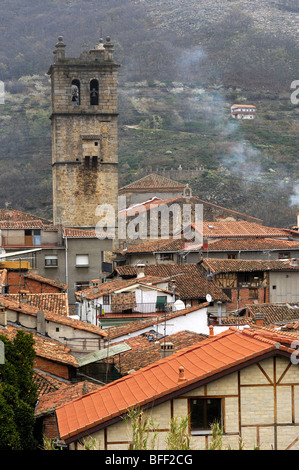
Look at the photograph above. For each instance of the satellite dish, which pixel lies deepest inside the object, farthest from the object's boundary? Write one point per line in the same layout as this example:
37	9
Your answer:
209	298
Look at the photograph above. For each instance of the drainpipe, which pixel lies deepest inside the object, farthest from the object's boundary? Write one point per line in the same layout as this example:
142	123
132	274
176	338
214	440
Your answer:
66	265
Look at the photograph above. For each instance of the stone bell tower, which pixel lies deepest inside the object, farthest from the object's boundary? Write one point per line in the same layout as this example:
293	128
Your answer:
84	134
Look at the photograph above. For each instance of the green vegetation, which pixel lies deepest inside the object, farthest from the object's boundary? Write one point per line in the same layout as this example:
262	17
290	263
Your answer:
179	76
18	394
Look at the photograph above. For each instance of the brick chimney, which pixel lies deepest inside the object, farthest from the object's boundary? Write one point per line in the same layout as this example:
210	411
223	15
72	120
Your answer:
259	319
166	349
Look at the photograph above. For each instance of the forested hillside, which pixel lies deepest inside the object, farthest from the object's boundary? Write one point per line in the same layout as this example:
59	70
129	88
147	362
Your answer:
182	66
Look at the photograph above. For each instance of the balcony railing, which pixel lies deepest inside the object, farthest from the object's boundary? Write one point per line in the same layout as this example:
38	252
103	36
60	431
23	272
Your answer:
140	308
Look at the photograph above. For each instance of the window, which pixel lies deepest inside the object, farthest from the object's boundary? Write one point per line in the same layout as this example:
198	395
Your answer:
94	161
75	90
86	161
106	300
82	261
166	256
253	293
51	261
204	413
231	256
81	285
284	255
36	237
94	92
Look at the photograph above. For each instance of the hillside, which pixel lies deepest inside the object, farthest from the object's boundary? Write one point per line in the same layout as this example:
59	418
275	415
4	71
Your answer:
182	68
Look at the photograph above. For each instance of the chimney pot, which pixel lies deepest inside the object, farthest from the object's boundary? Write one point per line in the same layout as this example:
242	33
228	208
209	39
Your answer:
211	328
181	374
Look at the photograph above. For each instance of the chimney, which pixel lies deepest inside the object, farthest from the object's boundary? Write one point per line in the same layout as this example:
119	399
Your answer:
259	319
3	317
211	328
181	374
293	262
140	271
40	323
166	349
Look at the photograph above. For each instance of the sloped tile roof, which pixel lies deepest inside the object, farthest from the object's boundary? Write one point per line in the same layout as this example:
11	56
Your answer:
143	352
45	280
181	200
11	218
200	363
51	302
189	280
238	229
153	182
241	265
131	327
252	244
12	302
50	401
155	246
274	314
45	348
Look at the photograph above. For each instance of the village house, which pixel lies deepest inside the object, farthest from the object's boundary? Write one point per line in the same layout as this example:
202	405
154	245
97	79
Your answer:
191	284
246	380
124	300
176	251
243	111
66	255
149	187
194	319
80	337
254	281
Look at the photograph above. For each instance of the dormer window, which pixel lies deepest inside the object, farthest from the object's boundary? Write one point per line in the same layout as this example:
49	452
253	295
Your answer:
94	92
75	88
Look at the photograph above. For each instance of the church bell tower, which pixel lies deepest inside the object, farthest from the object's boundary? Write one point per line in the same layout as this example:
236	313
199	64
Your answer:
84	134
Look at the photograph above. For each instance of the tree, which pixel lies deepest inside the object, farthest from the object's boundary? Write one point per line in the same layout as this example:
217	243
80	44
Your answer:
18	394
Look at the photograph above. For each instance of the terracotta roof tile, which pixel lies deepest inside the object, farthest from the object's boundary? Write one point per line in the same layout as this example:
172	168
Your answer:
153	182
46	348
51	302
50	401
241	265
190	282
30	309
238	229
252	244
202	361
143	352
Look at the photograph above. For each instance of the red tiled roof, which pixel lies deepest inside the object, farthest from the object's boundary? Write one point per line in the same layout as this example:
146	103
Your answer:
45	280
45	348
11	218
201	363
189	280
274	313
12	302
252	244
48	402
144	352
155	246
238	229
51	302
153	182
150	205
138	325
243	265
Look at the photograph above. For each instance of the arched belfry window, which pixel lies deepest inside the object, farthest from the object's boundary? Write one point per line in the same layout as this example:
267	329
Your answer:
75	92
94	92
